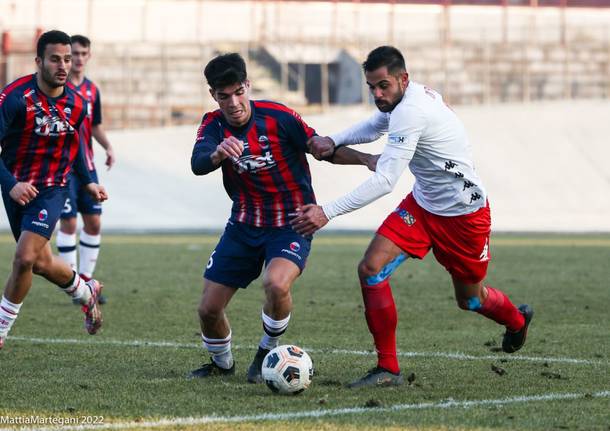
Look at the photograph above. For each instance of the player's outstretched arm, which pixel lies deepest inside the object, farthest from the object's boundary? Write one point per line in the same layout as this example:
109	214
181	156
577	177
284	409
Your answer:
100	136
348	156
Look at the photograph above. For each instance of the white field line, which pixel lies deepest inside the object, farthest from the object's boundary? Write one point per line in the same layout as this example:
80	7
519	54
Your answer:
195	345
316	414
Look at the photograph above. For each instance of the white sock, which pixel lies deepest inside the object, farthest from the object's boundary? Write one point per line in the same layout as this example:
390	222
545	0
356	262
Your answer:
273	331
8	314
66	245
89	249
220	349
78	289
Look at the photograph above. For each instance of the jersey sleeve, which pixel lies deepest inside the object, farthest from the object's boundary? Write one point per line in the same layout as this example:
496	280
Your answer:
299	131
97	109
209	135
9	108
366	131
406	126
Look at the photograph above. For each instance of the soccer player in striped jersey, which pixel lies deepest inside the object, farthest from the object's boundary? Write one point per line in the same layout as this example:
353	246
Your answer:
261	148
447	211
78	200
39	122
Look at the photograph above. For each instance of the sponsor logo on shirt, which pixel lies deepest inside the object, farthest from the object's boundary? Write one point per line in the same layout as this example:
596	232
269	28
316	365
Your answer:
254	164
48	125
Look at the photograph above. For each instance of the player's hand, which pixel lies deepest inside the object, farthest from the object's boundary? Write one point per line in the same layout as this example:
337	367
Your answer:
23	193
97	192
229	148
371	162
309	219
321	147
110	159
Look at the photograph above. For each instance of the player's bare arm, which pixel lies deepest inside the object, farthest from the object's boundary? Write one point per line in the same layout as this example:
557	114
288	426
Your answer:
100	136
229	148
348	156
23	193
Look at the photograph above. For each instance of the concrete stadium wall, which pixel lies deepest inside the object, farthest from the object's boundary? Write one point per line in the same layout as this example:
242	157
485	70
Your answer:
545	166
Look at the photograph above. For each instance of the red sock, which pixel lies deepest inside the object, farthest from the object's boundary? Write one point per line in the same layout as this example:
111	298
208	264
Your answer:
381	317
498	307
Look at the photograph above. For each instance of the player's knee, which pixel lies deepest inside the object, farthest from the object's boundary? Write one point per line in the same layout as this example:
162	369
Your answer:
472	303
93	226
276	287
209	313
68	226
368	268
24	261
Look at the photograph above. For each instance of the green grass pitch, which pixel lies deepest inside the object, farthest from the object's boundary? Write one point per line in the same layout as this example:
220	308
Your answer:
561	379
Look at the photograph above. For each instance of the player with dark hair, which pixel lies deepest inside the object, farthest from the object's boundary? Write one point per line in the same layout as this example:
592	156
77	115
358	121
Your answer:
261	147
79	201
447	211
39	120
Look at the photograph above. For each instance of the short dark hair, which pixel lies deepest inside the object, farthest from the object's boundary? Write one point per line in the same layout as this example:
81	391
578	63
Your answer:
225	70
387	56
50	38
81	40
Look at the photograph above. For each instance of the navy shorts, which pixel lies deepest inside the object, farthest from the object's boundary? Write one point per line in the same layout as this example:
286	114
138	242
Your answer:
78	200
242	250
40	215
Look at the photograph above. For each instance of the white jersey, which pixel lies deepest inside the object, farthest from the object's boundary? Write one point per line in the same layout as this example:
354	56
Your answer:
425	135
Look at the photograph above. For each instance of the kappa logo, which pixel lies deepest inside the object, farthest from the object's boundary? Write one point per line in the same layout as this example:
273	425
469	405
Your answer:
295	246
67	110
263	138
43	215
485	253
406	216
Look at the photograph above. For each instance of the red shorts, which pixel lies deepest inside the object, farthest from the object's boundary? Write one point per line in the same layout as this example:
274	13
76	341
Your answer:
460	243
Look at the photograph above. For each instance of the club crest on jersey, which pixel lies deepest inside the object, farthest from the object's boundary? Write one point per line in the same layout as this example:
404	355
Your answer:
254	164
263	138
295	246
52	126
43	215
405	215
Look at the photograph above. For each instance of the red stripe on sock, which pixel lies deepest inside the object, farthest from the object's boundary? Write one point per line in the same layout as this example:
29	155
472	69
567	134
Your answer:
381	318
9	311
498	308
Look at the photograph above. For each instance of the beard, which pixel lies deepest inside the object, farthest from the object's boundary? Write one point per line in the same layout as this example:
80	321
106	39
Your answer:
51	80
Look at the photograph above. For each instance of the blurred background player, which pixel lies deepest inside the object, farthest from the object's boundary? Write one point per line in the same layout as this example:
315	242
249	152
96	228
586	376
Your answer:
261	148
79	201
447	211
39	119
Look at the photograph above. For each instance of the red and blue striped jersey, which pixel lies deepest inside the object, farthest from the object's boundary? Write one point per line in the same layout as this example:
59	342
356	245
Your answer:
271	178
38	134
91	93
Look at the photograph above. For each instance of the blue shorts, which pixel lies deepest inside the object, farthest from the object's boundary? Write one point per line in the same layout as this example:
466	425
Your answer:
40	215
78	200
238	258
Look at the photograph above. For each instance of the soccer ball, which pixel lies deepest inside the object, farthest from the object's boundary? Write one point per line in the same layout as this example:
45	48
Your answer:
287	370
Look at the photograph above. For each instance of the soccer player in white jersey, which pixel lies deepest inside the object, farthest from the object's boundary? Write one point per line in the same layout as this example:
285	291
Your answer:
447	211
